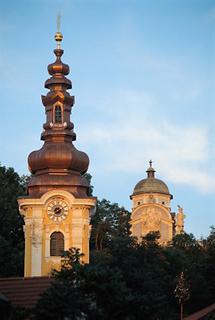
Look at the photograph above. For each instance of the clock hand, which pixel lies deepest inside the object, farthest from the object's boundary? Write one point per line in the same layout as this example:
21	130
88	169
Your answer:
57	210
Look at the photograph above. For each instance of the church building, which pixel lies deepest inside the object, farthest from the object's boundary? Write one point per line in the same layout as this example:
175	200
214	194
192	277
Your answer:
57	209
151	209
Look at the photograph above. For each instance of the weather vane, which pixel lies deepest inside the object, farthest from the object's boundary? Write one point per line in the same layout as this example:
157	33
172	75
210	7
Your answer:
58	34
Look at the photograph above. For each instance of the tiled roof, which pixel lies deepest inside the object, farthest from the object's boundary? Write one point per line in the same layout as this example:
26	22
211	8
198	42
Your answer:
200	314
24	292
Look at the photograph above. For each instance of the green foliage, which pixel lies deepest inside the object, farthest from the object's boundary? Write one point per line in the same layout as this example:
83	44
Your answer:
65	297
130	280
124	280
11	227
208	264
109	222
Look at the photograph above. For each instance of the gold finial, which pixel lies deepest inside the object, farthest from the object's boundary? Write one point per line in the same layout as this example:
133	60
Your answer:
150	163
58	34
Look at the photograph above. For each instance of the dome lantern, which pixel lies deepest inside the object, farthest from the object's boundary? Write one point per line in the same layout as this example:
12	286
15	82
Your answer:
150	171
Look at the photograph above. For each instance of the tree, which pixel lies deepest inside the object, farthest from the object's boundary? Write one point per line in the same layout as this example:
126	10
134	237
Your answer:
125	280
110	221
11	228
190	255
208	263
182	293
184	241
65	299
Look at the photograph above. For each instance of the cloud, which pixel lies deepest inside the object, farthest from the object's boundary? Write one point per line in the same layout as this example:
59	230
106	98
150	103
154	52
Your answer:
211	14
139	132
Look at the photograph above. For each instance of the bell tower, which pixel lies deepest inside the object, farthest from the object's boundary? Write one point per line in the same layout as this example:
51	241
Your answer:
57	209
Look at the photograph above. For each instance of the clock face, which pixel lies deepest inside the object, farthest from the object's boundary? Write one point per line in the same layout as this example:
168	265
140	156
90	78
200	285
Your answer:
57	210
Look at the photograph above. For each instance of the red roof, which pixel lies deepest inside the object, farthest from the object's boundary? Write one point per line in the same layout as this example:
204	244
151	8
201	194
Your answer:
24	292
200	314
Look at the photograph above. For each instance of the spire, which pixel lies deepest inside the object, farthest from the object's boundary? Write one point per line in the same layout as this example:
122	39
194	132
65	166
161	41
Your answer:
58	164
58	34
150	171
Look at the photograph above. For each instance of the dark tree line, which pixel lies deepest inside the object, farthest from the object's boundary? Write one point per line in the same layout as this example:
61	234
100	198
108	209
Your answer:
125	279
11	223
130	280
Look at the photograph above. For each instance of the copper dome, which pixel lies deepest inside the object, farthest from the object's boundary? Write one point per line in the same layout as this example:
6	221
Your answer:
151	184
58	164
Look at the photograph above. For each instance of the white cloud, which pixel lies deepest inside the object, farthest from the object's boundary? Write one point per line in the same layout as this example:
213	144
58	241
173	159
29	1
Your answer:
138	133
211	14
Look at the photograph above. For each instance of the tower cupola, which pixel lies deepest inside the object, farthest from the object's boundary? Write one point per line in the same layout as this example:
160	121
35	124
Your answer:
58	164
151	184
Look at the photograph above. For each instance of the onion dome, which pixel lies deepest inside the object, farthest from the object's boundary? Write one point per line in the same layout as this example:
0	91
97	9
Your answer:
58	70
151	184
58	164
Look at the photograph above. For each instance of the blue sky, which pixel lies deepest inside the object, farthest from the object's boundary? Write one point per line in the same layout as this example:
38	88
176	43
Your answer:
143	80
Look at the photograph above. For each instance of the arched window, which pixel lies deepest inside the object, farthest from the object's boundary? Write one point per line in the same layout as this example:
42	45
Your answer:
56	244
58	114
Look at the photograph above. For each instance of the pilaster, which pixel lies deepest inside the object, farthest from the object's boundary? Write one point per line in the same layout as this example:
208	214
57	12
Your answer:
39	226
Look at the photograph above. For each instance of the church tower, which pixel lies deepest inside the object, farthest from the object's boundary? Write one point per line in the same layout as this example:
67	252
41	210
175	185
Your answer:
151	210
57	209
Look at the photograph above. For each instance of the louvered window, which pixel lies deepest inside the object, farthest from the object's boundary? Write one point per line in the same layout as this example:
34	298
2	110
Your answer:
58	114
56	244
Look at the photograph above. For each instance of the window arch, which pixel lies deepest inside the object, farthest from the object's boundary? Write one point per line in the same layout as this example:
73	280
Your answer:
56	244
58	114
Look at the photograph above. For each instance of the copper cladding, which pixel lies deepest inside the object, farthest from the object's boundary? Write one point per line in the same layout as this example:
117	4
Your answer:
58	164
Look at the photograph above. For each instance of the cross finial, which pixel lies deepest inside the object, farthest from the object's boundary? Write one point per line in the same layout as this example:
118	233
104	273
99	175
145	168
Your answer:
150	171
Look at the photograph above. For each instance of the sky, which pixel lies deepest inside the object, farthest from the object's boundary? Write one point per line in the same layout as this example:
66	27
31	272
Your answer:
143	79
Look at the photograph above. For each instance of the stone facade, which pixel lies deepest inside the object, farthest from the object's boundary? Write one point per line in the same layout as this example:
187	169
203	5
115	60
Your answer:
40	225
151	209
